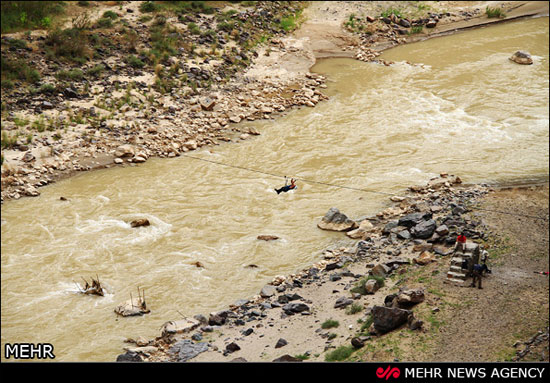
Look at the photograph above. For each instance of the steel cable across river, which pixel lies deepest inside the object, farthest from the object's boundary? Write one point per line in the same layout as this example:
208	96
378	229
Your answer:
466	110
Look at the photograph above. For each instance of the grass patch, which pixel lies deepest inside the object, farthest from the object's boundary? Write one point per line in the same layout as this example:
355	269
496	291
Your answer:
8	141
415	29
354	309
366	324
135	62
17	70
494	13
75	74
19	15
341	353
71	44
391	11
330	323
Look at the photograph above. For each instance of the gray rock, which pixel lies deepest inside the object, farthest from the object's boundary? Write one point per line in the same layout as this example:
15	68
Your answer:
389	226
336	221
442	230
281	343
268	291
129	356
342	302
187	349
294	308
359	341
216	320
404	234
411	220
287	358
404	23
232	347
424	229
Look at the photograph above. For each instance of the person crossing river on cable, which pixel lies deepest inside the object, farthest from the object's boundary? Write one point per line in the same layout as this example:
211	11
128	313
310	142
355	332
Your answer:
287	187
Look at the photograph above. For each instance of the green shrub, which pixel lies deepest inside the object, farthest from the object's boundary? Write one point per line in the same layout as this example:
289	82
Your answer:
135	62
494	12
330	323
46	88
18	70
71	74
19	44
149	6
194	28
17	15
96	70
391	11
288	23
354	309
68	43
416	29
110	15
104	23
341	353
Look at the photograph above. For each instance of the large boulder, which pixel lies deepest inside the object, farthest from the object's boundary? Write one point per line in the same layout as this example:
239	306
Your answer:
522	57
336	221
424	229
386	319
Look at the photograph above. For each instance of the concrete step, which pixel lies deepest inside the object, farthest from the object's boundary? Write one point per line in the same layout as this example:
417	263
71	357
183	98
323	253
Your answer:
456	261
456	282
457	269
453	275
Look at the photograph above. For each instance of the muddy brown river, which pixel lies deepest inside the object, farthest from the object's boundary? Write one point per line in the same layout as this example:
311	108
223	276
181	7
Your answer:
466	110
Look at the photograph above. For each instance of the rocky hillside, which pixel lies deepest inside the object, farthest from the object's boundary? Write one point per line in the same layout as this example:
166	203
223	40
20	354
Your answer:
120	82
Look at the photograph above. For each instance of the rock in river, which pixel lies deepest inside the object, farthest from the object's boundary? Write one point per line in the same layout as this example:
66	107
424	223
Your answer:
336	221
522	57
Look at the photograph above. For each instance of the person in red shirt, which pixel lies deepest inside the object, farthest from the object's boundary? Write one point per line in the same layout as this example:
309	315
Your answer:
287	187
460	242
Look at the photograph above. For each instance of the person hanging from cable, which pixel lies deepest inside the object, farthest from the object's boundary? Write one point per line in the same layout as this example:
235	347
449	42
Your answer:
287	187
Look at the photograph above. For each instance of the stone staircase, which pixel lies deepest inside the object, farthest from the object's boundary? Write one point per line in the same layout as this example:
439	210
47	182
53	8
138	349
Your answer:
457	275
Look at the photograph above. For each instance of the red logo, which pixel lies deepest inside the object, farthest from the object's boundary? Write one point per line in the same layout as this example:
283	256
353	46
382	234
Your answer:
388	372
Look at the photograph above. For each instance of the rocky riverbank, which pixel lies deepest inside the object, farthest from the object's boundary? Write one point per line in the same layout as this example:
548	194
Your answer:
125	82
382	293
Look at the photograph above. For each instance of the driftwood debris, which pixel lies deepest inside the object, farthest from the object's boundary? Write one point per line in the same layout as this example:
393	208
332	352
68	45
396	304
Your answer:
134	306
94	288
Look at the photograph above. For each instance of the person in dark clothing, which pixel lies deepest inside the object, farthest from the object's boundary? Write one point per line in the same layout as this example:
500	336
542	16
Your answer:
287	187
477	274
